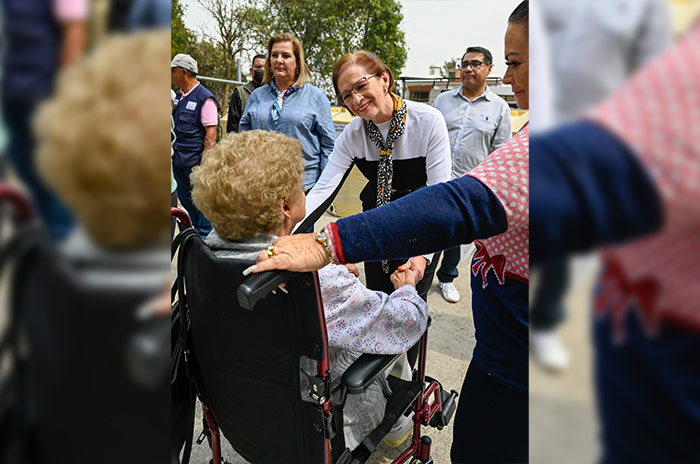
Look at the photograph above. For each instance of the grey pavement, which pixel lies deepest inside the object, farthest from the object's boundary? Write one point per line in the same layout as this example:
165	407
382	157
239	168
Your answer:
563	424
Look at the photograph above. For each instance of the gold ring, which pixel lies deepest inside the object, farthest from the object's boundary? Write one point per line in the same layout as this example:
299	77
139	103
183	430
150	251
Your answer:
270	251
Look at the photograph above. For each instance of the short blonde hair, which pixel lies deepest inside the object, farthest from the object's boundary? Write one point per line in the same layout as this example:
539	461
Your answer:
103	140
241	180
304	74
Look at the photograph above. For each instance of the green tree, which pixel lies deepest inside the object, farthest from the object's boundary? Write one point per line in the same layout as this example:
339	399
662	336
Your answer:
233	18
330	28
180	36
449	69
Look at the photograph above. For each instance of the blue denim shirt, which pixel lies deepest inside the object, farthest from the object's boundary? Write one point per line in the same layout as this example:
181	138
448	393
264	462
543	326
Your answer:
305	116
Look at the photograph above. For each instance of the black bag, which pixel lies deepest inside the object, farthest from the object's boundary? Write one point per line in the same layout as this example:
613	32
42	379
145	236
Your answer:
15	429
183	383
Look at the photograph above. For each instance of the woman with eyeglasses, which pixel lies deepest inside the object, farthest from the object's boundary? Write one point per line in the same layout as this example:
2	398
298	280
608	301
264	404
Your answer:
288	103
489	205
398	145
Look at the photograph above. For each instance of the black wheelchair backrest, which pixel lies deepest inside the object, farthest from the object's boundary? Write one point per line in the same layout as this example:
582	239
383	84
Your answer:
78	383
249	359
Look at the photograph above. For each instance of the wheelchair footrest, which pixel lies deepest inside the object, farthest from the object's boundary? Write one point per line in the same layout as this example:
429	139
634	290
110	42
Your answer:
404	393
442	418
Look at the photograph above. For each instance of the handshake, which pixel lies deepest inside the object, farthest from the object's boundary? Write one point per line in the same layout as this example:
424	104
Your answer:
409	273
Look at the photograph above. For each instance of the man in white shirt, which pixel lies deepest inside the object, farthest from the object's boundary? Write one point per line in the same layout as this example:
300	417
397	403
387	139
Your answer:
478	122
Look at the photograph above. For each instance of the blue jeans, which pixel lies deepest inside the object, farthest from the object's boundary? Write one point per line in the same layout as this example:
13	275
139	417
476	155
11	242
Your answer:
184	192
21	151
448	267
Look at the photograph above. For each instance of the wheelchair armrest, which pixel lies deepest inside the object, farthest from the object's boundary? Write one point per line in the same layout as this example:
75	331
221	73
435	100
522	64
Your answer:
258	286
358	377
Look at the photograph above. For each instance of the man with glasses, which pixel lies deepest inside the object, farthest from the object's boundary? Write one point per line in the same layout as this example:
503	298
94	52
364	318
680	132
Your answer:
478	122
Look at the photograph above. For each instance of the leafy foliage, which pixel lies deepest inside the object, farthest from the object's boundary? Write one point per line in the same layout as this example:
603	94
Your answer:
180	37
449	69
327	29
330	28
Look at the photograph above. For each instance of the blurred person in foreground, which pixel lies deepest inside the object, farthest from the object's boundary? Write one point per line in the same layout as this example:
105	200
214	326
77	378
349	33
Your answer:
41	38
195	113
630	169
627	33
478	122
144	14
251	186
240	95
490	205
117	190
288	103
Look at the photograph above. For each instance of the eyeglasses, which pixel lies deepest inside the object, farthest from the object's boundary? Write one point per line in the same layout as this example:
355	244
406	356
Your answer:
359	87
475	65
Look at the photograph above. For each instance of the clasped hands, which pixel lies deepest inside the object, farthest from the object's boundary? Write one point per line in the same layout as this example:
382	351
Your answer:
302	253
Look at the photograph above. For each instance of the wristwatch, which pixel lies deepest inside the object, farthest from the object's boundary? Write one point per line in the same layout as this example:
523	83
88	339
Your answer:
323	240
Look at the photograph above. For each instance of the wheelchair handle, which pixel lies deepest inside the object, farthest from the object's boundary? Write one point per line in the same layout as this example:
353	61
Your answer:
19	201
181	215
258	286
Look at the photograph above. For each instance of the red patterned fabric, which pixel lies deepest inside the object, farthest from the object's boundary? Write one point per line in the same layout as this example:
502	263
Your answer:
505	172
334	243
657	114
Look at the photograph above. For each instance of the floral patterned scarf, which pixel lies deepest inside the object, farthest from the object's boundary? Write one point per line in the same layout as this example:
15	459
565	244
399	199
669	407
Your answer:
385	170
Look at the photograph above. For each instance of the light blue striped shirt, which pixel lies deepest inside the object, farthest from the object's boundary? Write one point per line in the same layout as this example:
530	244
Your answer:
475	128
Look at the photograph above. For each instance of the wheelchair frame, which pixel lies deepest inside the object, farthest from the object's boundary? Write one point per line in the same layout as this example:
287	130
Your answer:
355	379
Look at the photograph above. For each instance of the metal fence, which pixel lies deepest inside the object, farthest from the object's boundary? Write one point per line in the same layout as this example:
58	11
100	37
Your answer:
218	87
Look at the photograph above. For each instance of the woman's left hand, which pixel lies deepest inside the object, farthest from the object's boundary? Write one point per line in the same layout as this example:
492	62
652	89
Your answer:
300	253
416	264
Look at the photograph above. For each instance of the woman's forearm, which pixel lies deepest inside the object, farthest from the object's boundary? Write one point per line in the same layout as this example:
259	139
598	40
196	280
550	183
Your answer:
428	220
587	190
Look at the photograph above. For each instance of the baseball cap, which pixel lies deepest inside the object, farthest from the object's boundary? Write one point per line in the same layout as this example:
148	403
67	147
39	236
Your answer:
184	61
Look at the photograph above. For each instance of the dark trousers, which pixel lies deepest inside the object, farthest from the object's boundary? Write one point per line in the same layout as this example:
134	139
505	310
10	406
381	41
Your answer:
184	193
21	153
448	267
377	279
491	422
547	308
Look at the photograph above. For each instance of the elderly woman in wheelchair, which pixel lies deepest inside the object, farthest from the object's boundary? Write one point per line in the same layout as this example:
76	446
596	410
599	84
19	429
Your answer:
250	187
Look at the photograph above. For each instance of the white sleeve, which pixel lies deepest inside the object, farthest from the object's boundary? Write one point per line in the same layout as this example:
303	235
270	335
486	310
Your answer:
438	157
363	320
339	162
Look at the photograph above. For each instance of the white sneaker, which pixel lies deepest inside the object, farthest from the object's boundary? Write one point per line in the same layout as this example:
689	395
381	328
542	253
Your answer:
548	350
449	292
400	431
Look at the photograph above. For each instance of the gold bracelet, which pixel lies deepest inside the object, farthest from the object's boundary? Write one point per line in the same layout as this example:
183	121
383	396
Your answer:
323	240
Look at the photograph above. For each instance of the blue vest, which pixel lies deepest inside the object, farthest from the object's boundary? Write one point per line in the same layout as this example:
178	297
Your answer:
30	62
189	131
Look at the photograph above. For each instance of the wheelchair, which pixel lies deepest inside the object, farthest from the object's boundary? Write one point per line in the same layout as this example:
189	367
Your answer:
84	378
244	348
